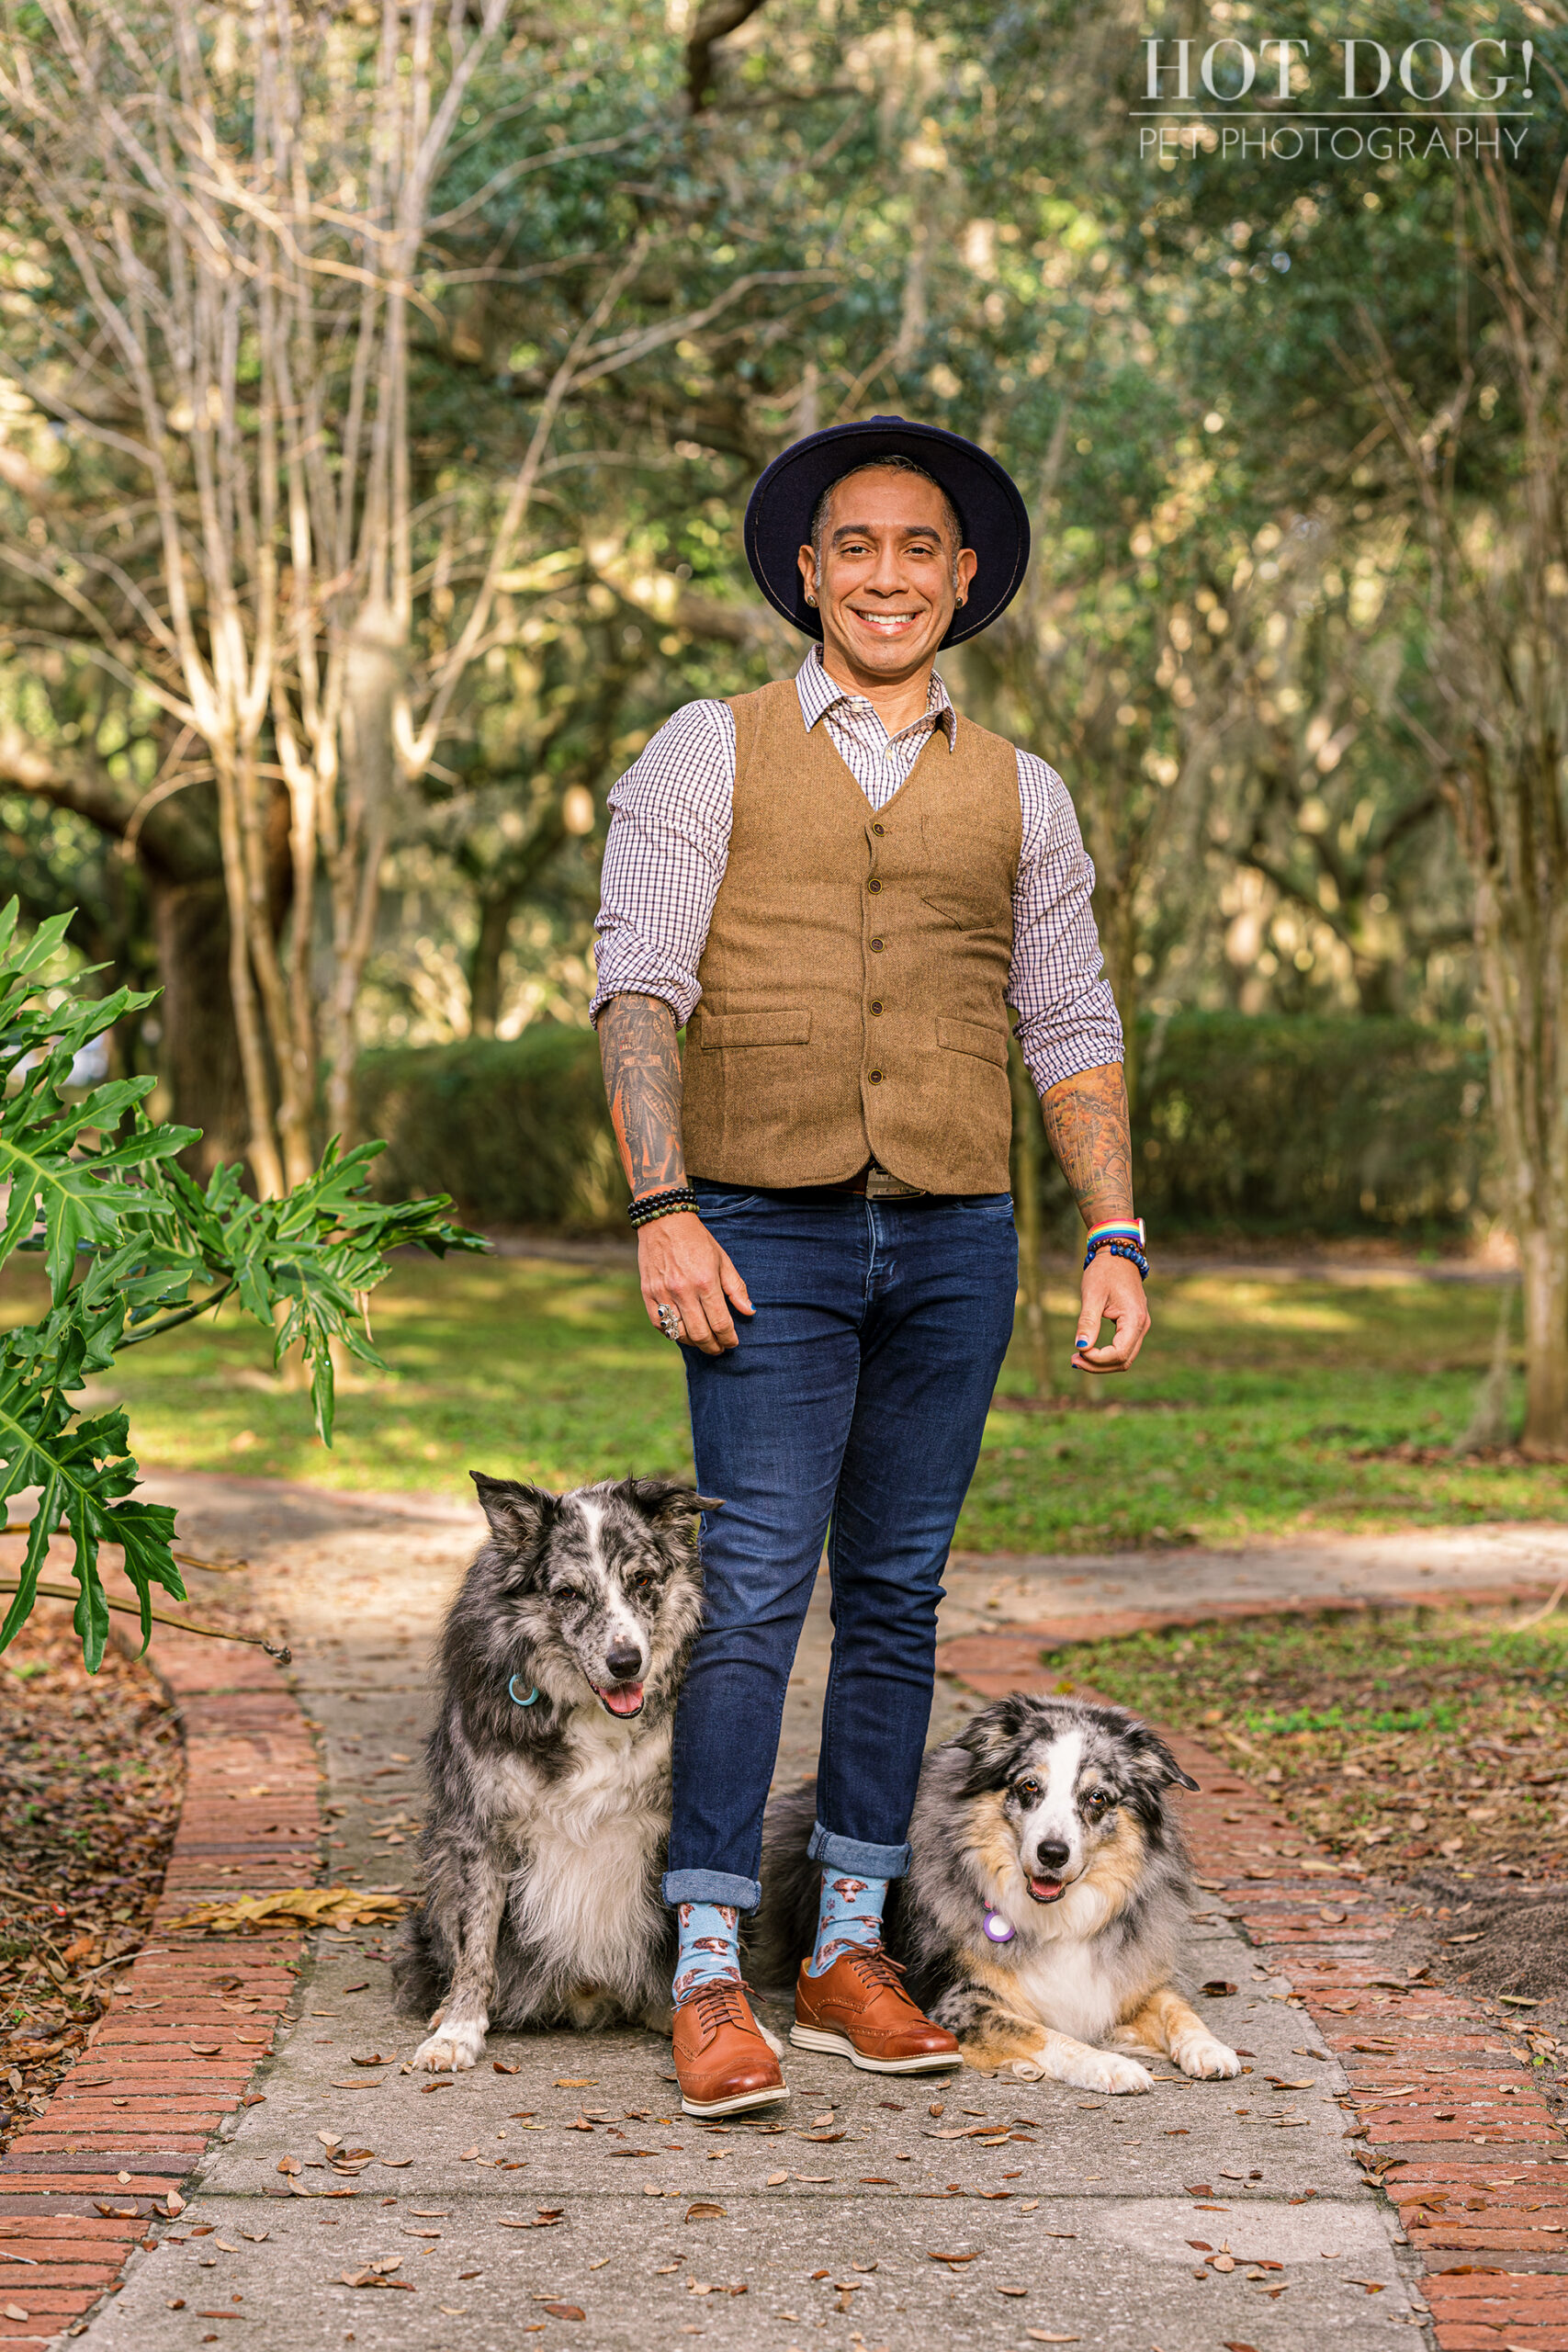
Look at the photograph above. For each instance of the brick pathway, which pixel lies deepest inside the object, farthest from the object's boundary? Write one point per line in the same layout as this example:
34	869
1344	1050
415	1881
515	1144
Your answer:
1447	2118
171	2058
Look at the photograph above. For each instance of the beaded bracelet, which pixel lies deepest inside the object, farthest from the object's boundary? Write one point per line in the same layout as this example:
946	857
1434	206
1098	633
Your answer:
669	1204
1118	1249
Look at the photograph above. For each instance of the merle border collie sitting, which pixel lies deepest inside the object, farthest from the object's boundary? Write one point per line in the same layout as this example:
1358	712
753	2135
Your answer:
548	1768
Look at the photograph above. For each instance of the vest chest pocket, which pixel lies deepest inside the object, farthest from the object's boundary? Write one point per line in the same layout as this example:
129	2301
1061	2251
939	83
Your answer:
779	1025
971	1037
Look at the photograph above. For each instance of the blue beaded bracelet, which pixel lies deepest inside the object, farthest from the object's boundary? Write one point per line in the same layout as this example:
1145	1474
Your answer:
1128	1250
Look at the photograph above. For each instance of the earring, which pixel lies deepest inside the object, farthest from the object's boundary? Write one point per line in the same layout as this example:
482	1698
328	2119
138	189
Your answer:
809	597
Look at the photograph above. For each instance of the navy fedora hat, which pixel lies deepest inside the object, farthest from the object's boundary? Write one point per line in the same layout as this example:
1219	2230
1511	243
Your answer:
994	520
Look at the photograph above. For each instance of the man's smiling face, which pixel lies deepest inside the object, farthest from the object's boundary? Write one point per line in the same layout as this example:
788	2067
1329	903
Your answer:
885	585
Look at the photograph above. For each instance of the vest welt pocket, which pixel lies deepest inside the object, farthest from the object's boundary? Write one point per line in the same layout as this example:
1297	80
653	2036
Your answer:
970	1037
780	1025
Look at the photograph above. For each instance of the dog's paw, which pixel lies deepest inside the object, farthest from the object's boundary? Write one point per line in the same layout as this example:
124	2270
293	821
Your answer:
1026	2070
1202	2055
451	2051
1101	2070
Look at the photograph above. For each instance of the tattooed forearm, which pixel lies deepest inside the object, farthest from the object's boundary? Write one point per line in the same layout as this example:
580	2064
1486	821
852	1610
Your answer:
642	1080
1085	1119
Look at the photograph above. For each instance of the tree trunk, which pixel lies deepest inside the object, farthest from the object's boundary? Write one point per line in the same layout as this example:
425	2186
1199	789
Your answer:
1543	1251
496	910
199	1055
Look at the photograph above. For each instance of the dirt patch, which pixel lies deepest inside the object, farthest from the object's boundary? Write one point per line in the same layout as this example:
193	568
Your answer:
1511	1944
92	1772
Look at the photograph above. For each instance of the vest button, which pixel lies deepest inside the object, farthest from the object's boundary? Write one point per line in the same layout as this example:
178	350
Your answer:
879	829
873	884
874	1076
876	947
876	1005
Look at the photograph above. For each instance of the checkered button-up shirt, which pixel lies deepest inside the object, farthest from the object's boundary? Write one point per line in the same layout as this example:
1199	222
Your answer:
670	843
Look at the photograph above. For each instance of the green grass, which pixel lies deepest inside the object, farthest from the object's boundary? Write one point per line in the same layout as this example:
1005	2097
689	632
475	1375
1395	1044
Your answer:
1415	1736
1248	1414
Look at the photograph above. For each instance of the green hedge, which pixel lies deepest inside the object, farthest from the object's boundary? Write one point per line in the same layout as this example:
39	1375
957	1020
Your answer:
1246	1125
515	1129
1322	1125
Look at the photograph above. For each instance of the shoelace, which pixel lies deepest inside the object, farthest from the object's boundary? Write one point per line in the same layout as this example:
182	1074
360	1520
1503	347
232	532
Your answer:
875	1966
721	2003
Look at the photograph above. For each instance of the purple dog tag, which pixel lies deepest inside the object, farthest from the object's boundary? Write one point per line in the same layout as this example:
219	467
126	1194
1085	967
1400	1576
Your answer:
999	1930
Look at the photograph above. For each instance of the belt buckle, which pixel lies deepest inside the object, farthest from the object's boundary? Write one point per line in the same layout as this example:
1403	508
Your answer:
881	1186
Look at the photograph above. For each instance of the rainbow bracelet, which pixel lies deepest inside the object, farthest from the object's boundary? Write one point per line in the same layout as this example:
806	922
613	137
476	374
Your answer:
1122	1239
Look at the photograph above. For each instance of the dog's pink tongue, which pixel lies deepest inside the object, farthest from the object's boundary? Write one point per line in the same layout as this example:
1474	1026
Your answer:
624	1701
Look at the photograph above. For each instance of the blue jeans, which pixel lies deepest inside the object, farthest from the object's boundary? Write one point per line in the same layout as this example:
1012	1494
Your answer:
856	1400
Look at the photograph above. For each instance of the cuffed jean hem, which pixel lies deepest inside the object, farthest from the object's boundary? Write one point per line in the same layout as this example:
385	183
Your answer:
850	1854
712	1886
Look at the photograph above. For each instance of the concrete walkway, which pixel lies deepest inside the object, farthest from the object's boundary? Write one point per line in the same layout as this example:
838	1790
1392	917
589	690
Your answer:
859	2219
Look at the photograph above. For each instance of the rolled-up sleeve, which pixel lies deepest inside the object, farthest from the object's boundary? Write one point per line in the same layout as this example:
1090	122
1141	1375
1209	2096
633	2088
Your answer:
1067	1018
665	858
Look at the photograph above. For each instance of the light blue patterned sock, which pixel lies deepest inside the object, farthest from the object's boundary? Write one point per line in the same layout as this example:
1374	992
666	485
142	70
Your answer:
709	1947
850	1916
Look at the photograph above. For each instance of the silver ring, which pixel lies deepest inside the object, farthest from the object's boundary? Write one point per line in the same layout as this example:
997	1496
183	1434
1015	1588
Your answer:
670	1322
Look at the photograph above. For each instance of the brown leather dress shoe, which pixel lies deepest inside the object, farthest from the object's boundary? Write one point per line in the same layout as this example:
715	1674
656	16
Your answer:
722	2063
860	2010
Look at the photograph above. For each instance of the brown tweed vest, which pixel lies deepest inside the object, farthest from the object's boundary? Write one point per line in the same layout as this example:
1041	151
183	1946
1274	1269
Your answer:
854	974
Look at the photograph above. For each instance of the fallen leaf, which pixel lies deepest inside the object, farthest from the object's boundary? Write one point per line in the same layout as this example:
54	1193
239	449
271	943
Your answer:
576	2082
821	2123
468	2153
1217	1988
565	2311
777	2179
311	1906
1041	2335
701	2212
935	2108
952	2257
425	2088
205	2049
14	2310
1012	2291
375	2059
394	2163
500	2066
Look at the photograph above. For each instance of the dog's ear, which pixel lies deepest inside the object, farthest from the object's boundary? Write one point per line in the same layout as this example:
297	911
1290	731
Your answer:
517	1514
991	1740
667	1501
1153	1750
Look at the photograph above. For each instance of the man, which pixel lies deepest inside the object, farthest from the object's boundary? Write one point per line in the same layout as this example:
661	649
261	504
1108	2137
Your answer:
839	885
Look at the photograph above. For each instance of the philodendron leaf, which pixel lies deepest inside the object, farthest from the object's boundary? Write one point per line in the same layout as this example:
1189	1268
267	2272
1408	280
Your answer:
134	1249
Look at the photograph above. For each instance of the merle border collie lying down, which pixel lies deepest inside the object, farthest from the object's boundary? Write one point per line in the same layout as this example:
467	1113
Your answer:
1044	1908
548	1768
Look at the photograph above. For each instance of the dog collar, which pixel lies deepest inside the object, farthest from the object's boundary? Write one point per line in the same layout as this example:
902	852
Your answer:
998	1929
512	1694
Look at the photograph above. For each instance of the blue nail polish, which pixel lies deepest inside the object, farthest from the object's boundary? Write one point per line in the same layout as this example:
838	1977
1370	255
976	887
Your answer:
1079	1343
